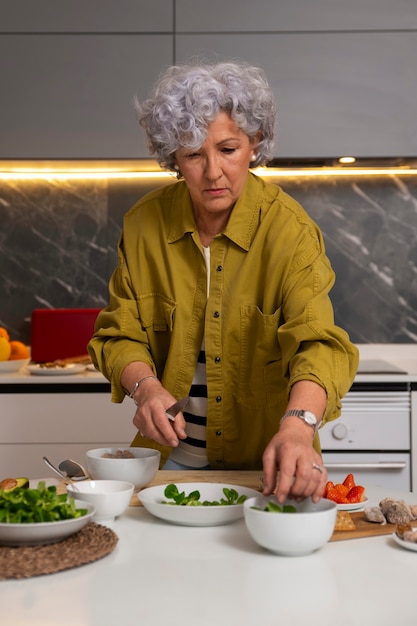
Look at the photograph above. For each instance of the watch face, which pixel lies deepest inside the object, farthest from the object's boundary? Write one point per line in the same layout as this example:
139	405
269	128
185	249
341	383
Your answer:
310	418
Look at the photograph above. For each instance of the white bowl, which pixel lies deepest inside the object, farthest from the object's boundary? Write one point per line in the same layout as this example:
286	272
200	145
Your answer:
12	366
290	534
110	498
42	533
152	499
139	471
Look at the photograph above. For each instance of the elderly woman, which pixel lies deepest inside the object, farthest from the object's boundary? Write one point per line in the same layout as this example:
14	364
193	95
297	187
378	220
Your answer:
222	294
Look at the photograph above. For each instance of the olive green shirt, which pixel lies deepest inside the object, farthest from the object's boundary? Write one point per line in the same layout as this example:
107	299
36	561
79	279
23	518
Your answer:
268	321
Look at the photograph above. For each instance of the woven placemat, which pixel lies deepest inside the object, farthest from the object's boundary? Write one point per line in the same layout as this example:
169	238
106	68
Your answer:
89	544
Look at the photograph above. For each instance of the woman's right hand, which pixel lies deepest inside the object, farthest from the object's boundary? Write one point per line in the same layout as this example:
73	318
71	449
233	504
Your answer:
152	400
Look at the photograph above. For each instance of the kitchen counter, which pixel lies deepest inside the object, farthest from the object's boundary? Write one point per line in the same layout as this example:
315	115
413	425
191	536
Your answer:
402	358
63	416
24	377
184	576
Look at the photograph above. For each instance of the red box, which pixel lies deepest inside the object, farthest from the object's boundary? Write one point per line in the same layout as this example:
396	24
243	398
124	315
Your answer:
61	333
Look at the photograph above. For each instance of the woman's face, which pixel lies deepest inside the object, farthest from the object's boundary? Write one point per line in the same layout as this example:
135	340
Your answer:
215	174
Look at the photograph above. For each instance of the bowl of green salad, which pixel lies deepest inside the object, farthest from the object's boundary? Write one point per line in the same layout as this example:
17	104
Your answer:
39	515
292	528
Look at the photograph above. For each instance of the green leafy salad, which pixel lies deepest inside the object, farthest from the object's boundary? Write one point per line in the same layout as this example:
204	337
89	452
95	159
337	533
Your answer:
273	507
172	492
43	504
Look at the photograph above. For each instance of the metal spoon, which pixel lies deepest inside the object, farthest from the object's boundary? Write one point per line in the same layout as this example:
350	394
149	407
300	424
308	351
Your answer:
57	471
74	470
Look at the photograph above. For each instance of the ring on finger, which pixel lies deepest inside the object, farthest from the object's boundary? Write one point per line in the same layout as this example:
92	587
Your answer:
318	467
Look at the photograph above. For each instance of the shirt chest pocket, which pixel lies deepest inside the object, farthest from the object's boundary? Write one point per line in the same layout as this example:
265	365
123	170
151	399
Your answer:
260	356
156	313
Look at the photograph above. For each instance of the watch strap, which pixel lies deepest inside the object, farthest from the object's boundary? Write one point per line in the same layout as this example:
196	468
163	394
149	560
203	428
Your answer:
302	414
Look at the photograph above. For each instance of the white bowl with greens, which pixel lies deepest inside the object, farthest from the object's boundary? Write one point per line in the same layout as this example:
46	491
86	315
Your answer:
32	516
196	504
291	529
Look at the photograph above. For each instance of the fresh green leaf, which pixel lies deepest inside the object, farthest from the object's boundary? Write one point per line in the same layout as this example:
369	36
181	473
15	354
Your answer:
193	499
274	507
42	504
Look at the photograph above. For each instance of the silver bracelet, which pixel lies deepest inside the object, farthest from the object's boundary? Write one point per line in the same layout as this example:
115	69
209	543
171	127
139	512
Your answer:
136	386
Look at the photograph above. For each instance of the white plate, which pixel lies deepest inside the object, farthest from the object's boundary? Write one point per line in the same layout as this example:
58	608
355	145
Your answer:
12	366
44	532
408	545
352	506
70	368
152	497
91	367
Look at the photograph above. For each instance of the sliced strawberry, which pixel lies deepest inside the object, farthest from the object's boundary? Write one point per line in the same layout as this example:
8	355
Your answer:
356	494
335	495
349	481
342	489
328	486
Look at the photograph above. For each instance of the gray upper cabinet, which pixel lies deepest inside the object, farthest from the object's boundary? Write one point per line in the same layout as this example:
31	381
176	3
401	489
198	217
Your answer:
344	73
85	16
216	16
69	72
337	94
69	97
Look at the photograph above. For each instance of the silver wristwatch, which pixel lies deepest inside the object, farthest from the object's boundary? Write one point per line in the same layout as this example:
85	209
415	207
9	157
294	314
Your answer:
307	416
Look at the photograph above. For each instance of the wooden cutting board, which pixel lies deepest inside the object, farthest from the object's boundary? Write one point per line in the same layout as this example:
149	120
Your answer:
364	528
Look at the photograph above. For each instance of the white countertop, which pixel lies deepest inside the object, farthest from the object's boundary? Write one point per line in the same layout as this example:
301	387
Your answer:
403	356
23	376
181	576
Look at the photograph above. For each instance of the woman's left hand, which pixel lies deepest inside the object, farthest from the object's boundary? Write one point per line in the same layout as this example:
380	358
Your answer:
301	470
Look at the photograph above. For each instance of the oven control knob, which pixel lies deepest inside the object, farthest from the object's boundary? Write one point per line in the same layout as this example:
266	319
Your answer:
340	431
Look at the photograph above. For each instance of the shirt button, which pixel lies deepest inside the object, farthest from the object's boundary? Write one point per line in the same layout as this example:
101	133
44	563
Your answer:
218	433
217	359
219	462
218	399
216	314
219	268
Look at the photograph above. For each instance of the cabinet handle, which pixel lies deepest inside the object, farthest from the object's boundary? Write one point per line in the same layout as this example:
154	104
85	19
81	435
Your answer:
369	466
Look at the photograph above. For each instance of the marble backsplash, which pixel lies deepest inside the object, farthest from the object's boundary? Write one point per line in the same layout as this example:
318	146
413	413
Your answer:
58	244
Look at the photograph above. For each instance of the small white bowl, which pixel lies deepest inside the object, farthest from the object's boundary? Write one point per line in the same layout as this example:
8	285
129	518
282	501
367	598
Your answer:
12	366
110	498
290	534
139	470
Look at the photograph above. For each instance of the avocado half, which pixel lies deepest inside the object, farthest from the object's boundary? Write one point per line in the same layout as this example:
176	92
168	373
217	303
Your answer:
9	484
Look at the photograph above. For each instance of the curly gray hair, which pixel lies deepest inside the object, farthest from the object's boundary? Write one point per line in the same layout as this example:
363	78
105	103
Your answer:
186	98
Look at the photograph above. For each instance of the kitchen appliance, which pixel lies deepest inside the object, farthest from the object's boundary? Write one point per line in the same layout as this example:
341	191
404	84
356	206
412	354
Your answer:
372	437
61	333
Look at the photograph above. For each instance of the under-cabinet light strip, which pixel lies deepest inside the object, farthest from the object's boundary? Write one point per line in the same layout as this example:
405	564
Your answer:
42	174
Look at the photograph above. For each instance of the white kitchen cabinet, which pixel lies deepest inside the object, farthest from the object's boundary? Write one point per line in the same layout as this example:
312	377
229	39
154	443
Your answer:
58	425
337	93
72	96
306	15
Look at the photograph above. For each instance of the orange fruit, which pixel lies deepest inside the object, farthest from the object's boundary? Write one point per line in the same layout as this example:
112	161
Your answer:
4	333
5	349
18	351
